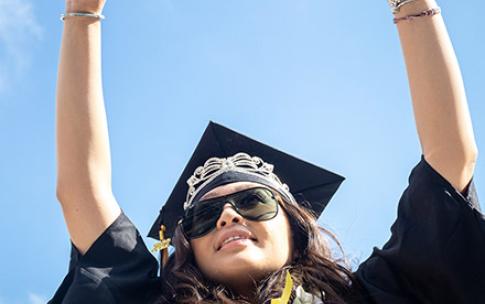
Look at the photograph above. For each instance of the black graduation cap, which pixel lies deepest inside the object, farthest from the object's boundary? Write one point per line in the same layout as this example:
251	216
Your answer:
307	182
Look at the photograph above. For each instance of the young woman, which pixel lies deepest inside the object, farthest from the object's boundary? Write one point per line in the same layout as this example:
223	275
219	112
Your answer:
242	217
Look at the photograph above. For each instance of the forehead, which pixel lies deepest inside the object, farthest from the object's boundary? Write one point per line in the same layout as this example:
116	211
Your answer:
230	188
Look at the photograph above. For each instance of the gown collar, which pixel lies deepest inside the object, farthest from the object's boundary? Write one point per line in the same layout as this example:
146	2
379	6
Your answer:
301	296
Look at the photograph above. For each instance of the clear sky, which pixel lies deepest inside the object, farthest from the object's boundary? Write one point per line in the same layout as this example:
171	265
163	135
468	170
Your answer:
323	80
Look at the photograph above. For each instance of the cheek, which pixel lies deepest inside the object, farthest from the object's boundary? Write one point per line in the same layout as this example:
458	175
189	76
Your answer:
280	238
202	252
275	248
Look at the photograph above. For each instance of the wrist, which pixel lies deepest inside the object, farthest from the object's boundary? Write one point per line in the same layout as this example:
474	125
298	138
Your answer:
71	11
74	7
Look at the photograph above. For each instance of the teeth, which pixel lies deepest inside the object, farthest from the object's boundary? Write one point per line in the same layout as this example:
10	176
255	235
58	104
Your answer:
232	238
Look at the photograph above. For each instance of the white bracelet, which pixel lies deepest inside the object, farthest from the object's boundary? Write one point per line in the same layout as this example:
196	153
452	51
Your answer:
91	15
396	4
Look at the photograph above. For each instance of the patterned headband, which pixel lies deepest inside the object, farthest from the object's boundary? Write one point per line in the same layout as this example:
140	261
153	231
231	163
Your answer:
240	162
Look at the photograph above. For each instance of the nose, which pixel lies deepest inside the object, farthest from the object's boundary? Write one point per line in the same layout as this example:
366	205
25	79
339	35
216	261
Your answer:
228	216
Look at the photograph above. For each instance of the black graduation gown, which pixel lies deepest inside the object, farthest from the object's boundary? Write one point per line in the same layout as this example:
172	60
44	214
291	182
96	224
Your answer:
117	268
436	254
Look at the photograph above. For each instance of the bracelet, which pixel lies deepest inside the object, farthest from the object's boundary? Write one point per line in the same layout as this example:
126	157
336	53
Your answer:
429	12
90	15
397	4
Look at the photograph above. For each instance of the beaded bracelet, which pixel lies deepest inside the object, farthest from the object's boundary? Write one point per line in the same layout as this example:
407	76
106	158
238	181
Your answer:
80	14
429	12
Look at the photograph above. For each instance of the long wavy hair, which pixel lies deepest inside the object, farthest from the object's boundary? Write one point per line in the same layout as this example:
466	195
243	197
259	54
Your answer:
313	267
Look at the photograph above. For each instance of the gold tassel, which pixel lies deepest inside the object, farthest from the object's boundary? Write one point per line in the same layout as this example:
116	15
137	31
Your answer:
285	295
162	245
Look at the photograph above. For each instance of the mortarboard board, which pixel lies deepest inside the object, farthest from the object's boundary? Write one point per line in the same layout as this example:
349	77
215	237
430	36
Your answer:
310	185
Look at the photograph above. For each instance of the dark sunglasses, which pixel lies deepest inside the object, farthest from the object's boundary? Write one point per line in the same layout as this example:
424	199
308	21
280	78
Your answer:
255	204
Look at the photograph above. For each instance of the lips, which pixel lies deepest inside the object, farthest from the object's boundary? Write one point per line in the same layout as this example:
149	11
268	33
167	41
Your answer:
233	234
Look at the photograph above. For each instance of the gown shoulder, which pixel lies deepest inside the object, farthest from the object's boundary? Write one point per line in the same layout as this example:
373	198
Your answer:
436	252
117	268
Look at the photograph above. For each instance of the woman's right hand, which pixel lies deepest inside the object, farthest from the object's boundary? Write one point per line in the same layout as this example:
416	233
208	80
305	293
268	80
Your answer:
85	6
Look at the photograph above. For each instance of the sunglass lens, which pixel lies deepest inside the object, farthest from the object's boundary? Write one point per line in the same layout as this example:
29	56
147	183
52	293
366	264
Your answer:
258	204
200	220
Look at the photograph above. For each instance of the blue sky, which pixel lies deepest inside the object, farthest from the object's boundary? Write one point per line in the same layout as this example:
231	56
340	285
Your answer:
323	80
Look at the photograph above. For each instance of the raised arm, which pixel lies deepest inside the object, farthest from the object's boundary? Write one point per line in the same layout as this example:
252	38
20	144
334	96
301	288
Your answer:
439	101
83	156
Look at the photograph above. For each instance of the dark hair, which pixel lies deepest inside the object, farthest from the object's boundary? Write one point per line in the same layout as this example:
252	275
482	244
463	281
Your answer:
313	267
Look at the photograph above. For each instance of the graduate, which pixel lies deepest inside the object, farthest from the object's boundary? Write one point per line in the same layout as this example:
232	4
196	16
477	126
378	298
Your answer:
242	218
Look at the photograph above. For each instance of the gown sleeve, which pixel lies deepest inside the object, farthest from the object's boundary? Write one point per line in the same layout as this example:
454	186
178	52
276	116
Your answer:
117	268
436	252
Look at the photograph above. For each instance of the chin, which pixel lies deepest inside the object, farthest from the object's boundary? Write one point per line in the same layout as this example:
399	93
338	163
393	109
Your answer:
254	265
